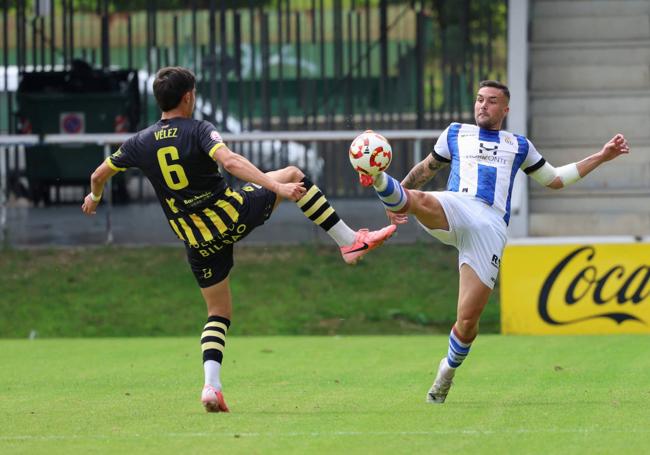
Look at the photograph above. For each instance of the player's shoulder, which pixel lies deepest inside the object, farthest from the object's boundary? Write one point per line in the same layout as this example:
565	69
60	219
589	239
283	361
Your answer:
204	126
139	137
148	131
459	126
519	137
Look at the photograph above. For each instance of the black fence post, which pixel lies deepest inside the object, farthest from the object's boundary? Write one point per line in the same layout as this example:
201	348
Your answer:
238	76
52	35
419	70
175	40
5	62
129	41
253	62
71	25
42	28
266	105
383	26
195	67
106	48
212	61
223	65
64	32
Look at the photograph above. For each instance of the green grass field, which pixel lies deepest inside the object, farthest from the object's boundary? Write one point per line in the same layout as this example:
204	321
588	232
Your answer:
361	394
298	290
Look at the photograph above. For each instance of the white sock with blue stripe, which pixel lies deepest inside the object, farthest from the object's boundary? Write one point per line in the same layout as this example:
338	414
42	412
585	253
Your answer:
391	193
458	349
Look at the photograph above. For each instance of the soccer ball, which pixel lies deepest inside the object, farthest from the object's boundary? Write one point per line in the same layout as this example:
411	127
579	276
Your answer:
370	153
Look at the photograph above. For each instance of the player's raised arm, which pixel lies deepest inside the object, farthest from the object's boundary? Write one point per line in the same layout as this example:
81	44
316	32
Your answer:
422	172
243	169
564	176
97	181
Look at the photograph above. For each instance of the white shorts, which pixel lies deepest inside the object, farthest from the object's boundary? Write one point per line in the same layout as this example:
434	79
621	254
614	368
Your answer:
476	230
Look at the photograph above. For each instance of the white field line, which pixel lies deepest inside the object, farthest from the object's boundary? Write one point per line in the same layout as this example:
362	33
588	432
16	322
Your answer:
327	434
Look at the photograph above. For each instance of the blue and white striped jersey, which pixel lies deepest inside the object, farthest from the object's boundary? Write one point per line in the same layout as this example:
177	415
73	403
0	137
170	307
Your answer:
484	162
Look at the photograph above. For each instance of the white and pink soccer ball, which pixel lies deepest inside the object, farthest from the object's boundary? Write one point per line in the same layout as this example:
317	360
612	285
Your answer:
370	153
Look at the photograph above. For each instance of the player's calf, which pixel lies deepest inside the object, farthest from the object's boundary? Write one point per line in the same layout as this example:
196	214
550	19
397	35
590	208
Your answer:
391	193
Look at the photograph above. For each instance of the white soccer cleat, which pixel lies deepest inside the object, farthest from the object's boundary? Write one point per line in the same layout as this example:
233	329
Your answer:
440	388
213	400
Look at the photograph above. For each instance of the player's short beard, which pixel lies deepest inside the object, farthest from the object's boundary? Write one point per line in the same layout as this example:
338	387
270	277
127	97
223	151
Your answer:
486	124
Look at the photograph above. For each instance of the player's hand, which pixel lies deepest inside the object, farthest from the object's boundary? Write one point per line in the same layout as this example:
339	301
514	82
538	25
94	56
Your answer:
89	207
615	147
292	191
397	218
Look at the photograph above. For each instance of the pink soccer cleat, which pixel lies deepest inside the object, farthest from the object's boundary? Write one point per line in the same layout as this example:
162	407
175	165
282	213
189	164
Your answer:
366	241
213	400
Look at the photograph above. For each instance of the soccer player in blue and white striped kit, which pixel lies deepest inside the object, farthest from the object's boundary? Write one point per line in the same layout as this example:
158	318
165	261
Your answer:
473	213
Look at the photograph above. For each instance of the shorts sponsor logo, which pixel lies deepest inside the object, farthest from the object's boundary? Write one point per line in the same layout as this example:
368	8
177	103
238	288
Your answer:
233	235
207	273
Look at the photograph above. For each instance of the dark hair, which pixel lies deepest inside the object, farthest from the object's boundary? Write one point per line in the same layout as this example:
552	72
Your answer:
170	85
495	84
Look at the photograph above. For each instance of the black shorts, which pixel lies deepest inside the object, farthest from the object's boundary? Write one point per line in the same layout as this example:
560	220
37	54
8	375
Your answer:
211	261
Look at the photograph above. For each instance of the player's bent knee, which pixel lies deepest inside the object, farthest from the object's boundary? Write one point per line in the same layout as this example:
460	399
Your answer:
295	173
428	209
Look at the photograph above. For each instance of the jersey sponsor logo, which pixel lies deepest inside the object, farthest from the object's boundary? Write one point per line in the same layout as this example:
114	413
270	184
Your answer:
489	158
484	148
197	199
166	133
215	136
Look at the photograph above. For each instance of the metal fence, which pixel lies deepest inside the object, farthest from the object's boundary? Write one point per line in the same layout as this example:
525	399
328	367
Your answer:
321	154
302	65
287	65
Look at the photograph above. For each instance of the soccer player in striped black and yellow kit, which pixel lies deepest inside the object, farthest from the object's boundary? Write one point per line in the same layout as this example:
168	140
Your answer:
179	156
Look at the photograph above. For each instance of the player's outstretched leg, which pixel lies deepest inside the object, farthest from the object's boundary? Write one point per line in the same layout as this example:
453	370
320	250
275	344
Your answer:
458	350
353	245
391	193
213	341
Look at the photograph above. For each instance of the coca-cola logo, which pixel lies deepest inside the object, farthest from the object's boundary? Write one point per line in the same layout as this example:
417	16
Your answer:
600	288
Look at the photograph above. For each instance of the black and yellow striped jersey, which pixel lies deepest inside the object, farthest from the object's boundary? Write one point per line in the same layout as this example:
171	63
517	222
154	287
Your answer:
176	156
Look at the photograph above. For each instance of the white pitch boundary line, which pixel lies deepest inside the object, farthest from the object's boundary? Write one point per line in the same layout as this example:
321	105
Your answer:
331	433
